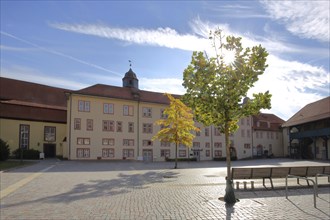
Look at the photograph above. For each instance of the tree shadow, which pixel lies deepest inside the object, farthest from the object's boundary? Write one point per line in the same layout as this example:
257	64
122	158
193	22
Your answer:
124	183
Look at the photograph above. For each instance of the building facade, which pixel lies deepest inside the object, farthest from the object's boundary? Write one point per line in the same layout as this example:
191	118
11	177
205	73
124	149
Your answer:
104	122
307	133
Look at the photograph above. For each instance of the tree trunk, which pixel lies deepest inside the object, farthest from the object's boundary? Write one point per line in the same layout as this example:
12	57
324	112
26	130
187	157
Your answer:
230	195
176	156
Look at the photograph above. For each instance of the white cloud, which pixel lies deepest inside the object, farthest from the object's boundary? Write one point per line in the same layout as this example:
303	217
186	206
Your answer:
292	83
32	75
307	19
169	85
164	37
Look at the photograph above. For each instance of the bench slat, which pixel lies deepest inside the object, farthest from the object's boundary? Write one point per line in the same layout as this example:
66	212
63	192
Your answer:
241	173
298	171
280	172
312	171
258	173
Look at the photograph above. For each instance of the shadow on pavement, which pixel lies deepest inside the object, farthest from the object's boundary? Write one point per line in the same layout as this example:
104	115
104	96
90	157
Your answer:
124	183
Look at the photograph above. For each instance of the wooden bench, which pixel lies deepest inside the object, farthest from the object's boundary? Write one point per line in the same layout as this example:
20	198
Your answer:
279	172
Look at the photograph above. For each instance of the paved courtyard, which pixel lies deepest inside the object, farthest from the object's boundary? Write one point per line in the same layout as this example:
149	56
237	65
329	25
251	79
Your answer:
53	189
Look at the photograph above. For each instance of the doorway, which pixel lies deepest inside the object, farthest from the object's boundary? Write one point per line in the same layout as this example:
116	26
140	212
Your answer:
147	155
50	150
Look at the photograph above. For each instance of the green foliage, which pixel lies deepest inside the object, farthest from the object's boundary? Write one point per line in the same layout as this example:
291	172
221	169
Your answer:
30	154
4	150
215	88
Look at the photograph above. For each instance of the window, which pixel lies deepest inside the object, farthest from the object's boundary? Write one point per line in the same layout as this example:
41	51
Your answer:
108	141
270	151
248	133
242	121
77	124
257	134
261	134
243	133
271	135
128	153
130	127
207	132
207	153
119	126
89	124
147	128
247	121
83	106
108	152
276	134
247	146
217	132
196	145
207	145
108	125
198	133
50	134
268	136
83	141
147	143
147	112
108	108
128	142
128	110
24	136
165	144
162	114
83	153
217	153
182	153
165	153
217	144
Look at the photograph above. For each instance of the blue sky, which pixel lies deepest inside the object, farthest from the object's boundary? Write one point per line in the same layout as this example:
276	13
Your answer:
76	44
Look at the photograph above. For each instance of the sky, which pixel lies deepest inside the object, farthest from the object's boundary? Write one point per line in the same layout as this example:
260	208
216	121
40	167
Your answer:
76	44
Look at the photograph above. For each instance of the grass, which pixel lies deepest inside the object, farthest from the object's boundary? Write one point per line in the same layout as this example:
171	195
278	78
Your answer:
10	164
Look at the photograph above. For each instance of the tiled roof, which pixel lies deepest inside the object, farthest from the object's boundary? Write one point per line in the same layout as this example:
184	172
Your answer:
124	93
312	112
31	101
266	121
11	89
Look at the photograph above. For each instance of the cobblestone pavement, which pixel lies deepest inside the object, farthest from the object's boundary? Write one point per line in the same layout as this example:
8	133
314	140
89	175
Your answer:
135	190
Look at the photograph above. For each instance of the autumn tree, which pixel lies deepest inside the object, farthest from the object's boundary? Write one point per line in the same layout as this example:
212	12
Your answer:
177	126
216	89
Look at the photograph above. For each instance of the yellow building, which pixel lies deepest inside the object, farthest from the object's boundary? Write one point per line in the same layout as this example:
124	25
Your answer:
32	116
115	123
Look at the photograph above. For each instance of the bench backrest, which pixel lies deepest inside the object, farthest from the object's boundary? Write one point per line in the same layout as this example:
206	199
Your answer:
280	172
258	173
241	173
277	172
312	171
298	171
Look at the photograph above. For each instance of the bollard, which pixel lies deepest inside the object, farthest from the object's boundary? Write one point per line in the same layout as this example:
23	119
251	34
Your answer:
244	184
237	185
252	184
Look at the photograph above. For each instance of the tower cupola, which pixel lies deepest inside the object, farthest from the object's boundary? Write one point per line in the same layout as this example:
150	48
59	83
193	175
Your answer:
130	80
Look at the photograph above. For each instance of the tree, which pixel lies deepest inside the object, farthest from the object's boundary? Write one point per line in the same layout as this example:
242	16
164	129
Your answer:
216	90
4	150
177	126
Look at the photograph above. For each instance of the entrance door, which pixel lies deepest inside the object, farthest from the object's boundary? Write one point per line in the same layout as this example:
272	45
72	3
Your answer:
147	155
50	150
197	155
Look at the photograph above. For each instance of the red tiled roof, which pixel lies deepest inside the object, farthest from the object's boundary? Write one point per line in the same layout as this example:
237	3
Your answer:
267	122
312	112
31	101
11	89
124	93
